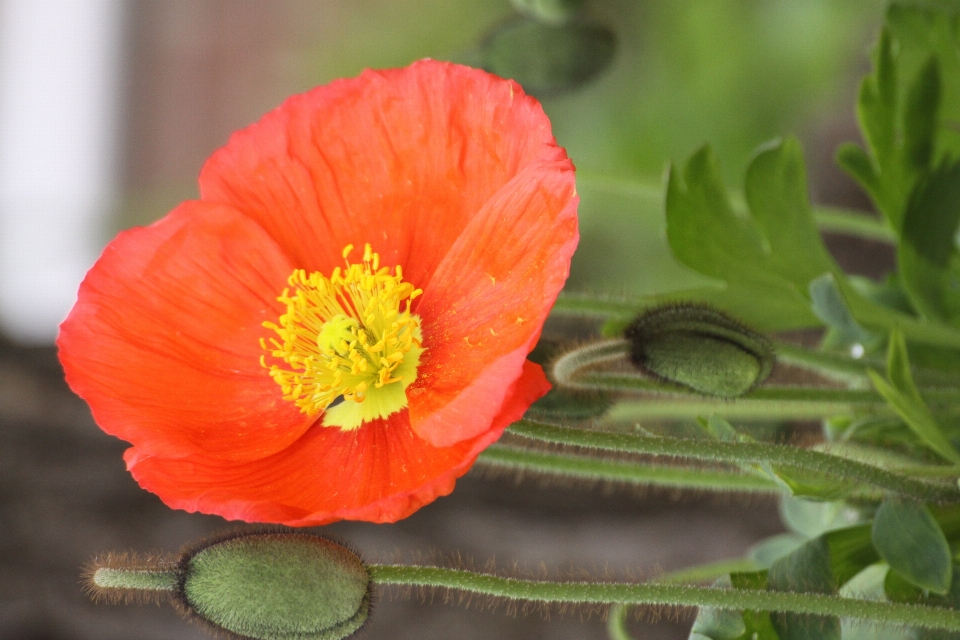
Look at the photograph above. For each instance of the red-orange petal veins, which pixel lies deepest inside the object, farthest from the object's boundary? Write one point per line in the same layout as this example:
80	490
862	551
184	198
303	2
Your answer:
453	177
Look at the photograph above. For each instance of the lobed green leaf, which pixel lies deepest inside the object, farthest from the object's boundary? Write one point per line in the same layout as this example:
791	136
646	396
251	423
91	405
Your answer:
907	536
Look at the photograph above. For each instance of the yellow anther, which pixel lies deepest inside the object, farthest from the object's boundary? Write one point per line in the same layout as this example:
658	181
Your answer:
344	337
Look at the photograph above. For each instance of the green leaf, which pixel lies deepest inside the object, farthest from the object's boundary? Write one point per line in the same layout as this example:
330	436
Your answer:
899	124
811	484
769	255
920	116
905	398
830	306
908	106
930	32
772	253
811	518
898	589
718	624
855	161
851	551
883	175
928	258
906	535
875	316
769	550
757	623
808	570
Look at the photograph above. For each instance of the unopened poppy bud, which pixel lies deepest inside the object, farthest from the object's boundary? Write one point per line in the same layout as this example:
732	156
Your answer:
267	586
700	348
548	59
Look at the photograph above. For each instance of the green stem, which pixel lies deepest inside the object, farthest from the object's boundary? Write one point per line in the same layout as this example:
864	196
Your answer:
684	409
844	398
591	468
664	594
831	219
853	223
617	623
135	579
601	306
829	365
740	453
567	366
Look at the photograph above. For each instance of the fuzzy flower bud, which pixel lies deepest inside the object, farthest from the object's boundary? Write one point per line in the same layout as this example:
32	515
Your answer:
700	348
267	586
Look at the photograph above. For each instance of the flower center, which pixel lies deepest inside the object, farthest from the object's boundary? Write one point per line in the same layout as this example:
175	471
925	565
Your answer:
346	337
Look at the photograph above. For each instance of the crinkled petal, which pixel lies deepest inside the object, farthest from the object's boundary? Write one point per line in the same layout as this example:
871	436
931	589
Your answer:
402	159
381	473
164	341
484	306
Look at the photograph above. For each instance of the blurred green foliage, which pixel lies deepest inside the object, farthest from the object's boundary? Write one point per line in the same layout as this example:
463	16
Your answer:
733	73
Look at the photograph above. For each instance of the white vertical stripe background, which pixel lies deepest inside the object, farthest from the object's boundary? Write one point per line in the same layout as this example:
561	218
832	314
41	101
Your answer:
59	97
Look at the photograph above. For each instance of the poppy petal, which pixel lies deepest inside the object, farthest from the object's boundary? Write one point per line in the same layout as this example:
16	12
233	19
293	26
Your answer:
483	309
380	473
163	342
402	159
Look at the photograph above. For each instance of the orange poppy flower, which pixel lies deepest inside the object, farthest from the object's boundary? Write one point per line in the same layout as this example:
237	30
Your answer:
340	324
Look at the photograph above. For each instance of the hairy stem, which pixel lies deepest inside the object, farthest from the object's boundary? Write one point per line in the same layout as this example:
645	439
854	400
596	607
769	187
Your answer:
566	368
664	594
591	468
741	453
135	579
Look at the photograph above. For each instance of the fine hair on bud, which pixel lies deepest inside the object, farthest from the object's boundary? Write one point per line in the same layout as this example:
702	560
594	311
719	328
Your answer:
275	585
272	584
700	348
130	577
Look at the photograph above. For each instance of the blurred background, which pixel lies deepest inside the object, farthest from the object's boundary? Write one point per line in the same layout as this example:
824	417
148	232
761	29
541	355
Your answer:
108	110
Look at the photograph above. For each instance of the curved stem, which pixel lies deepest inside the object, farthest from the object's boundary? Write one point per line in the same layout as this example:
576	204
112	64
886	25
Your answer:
741	453
617	623
567	366
780	402
591	468
664	594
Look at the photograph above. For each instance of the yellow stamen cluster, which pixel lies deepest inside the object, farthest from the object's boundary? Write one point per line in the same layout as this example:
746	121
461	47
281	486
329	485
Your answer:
346	337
